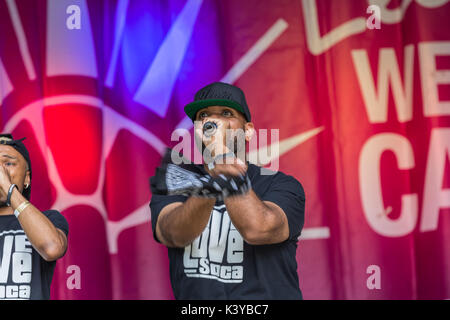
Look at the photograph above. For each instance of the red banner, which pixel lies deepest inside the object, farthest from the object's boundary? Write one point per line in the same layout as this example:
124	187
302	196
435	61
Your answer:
359	90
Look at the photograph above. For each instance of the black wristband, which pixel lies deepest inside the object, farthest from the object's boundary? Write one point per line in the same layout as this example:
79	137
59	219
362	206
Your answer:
8	198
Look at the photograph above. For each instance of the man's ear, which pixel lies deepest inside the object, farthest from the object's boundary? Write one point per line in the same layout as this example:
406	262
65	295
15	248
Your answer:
249	131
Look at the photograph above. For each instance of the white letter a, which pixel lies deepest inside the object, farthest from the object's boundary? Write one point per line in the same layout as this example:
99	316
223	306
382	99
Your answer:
374	281
74	20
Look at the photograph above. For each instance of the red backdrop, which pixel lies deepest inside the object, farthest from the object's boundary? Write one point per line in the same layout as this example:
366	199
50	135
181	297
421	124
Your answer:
360	96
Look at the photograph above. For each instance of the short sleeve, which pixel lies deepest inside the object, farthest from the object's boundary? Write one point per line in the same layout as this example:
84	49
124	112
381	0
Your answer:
157	203
58	220
288	194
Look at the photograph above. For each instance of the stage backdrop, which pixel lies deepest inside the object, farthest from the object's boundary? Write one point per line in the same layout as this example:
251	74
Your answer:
359	90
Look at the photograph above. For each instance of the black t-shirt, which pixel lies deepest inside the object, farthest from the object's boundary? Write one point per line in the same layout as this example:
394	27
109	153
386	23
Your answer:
219	264
24	274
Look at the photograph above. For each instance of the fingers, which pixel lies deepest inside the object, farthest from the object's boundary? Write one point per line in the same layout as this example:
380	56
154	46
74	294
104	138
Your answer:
4	173
5	182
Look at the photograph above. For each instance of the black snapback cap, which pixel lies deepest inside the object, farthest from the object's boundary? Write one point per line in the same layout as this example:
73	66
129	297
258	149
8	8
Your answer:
218	94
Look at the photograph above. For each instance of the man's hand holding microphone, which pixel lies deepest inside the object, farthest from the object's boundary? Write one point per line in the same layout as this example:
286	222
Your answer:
226	174
218	140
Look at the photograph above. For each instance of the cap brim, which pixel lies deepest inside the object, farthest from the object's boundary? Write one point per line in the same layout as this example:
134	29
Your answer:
192	108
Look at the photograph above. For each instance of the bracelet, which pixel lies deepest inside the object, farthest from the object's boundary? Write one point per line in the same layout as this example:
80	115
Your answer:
8	198
21	207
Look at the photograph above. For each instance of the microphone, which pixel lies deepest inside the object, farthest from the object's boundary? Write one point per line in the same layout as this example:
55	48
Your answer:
209	128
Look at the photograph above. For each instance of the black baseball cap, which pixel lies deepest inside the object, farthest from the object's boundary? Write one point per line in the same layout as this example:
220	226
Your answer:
218	94
20	147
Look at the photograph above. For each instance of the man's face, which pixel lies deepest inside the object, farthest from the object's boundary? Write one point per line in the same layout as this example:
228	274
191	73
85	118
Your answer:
233	127
16	166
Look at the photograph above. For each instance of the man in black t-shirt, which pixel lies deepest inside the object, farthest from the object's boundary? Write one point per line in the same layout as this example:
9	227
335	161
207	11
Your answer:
30	240
231	227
